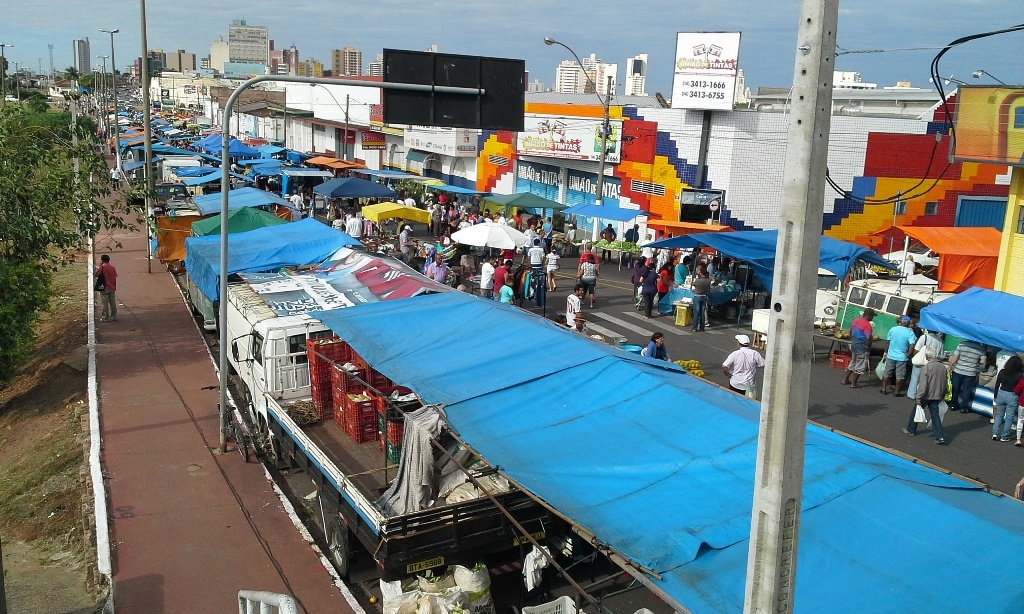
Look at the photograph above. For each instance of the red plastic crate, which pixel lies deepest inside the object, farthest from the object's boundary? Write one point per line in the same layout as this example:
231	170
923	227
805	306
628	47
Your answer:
386	392
358	361
343	383
395	431
330	350
840	360
360	412
323	399
379	380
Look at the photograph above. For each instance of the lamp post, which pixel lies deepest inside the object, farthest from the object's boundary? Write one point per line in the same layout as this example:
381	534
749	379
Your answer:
344	142
103	99
3	74
113	74
17	78
605	125
981	71
147	144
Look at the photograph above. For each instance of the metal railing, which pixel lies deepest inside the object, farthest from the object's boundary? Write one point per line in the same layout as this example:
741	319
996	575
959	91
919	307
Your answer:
265	602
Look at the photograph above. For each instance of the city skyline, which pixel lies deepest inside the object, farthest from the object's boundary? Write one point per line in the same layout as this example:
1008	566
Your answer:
766	55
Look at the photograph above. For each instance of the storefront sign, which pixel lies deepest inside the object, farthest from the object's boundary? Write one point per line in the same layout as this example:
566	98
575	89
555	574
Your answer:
349	278
376	115
575	138
374	140
539	179
581	187
700	205
705	70
447	141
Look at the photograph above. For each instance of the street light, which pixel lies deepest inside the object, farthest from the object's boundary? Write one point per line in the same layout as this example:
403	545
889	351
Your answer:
948	80
103	99
605	129
3	73
981	71
344	142
113	74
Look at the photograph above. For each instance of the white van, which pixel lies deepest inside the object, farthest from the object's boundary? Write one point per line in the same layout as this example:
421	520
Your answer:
830	292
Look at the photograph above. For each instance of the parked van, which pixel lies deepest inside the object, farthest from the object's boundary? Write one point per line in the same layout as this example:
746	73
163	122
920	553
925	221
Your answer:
830	292
891	300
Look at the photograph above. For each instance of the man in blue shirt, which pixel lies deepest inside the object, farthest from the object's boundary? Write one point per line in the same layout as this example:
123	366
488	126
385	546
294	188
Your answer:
901	348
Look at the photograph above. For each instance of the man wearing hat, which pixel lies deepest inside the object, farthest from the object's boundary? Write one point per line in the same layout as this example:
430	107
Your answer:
741	366
579	325
901	347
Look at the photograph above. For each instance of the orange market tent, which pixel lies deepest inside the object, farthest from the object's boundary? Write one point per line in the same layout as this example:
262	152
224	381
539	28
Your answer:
968	255
322	160
679	229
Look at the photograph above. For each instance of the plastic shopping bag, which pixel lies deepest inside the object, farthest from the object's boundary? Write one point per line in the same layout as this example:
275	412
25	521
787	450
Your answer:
920	416
880	369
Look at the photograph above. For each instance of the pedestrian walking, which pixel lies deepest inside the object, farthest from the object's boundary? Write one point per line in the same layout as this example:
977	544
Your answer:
918	361
701	288
741	367
1007	398
115	178
487	277
861	335
106	285
608	235
648	290
931	389
587	275
901	347
551	267
966	362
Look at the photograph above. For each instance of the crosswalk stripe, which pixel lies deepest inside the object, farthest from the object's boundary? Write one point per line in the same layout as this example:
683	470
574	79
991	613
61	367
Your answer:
607	332
669	328
624	324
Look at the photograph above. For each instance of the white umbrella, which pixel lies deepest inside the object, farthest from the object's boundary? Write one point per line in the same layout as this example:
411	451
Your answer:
491	235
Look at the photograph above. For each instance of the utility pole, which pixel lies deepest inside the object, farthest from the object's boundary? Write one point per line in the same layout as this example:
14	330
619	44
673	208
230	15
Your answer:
3	74
50	47
782	435
344	144
147	135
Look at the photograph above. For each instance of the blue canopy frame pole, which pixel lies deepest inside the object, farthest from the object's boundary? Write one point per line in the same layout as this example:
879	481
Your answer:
225	185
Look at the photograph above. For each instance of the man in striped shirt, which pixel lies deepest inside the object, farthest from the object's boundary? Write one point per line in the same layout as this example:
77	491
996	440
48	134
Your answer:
967	361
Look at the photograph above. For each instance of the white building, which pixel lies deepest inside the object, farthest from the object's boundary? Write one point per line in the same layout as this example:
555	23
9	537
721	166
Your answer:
219	55
636	75
567	77
572	78
376	67
83	62
250	44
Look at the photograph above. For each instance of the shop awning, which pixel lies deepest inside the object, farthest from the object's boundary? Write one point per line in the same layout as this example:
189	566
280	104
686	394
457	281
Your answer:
524	200
344	165
386	173
131	166
757	248
415	155
353	187
687	228
242	197
605	212
980	315
386	211
322	160
968	255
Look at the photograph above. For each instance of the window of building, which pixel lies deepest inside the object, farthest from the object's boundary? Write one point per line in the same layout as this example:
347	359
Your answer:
1020	221
901	207
931	208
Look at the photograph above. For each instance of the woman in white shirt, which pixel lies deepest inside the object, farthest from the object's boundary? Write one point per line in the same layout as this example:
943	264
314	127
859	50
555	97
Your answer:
551	265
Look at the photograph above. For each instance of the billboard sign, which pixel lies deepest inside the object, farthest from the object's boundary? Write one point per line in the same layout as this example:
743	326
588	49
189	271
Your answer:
705	70
571	138
700	205
989	125
372	140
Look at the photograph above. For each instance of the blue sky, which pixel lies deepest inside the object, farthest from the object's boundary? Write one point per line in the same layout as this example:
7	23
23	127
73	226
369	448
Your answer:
612	30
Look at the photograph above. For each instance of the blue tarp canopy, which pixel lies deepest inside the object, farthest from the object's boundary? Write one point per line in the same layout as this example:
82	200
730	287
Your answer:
236	148
604	212
131	166
304	172
981	315
214	176
453	189
194	171
757	247
242	197
386	173
178	151
269	150
265	249
661	465
261	162
353	187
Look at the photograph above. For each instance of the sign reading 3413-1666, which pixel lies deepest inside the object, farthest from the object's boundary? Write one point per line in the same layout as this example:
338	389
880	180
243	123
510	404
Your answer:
705	70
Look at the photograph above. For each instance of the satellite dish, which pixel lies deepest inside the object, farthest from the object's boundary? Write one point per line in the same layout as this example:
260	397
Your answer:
661	100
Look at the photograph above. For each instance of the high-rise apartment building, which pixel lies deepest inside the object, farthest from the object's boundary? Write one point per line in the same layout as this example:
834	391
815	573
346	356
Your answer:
568	76
347	62
290	59
247	43
219	55
636	75
376	67
573	78
83	57
180	60
311	68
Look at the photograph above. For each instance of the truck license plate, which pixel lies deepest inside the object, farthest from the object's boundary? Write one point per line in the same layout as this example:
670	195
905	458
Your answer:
424	565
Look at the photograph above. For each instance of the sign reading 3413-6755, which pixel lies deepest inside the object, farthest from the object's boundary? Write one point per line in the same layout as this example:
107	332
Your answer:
705	70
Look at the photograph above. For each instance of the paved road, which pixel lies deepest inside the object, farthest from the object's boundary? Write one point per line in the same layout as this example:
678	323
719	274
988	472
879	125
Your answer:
862	412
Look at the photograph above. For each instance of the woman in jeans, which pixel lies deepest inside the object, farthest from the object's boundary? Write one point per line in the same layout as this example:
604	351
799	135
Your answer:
1004	405
649	288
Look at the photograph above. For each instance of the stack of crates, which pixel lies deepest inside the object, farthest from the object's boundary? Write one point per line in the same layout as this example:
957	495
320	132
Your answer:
356	415
322	355
390	424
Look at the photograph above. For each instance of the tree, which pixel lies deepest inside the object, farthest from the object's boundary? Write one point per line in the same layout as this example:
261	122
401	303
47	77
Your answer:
48	210
71	73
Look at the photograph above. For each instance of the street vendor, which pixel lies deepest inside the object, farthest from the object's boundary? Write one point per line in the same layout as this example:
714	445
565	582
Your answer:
608	235
438	270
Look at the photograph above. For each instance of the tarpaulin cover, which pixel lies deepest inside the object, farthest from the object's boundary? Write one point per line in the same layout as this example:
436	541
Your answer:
214	177
353	187
171	232
131	166
261	162
986	316
660	465
242	197
194	171
239	220
524	200
387	211
687	228
236	148
269	150
264	249
968	255
757	247
452	189
304	172
604	212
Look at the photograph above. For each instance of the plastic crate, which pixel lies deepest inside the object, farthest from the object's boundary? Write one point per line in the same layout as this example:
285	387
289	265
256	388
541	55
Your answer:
386	391
395	431
360	412
329	350
562	605
362	433
323	398
343	383
394	451
378	380
840	360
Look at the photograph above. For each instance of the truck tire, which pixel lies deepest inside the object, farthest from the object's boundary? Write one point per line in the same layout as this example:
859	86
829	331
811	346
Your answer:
337	545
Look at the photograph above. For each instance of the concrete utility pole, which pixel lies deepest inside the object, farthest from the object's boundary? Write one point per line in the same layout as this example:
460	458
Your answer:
147	146
778	482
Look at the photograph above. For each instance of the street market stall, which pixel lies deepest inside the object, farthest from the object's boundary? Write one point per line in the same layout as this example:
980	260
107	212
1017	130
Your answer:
968	256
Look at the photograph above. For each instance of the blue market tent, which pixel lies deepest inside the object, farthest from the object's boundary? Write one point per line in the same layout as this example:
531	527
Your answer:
605	212
207	140
353	187
453	189
213	177
980	315
131	166
261	162
264	249
169	150
236	148
270	150
242	197
660	465
194	171
386	173
757	247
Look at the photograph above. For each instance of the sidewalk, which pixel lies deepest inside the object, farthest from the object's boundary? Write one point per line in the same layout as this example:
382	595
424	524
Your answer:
189	529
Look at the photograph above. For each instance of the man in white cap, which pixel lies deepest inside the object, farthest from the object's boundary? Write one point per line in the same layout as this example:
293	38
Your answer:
741	366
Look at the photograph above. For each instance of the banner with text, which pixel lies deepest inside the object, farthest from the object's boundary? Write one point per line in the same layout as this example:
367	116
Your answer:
374	141
705	70
574	138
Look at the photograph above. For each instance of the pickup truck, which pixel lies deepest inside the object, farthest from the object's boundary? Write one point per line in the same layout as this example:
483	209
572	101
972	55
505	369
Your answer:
267	353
